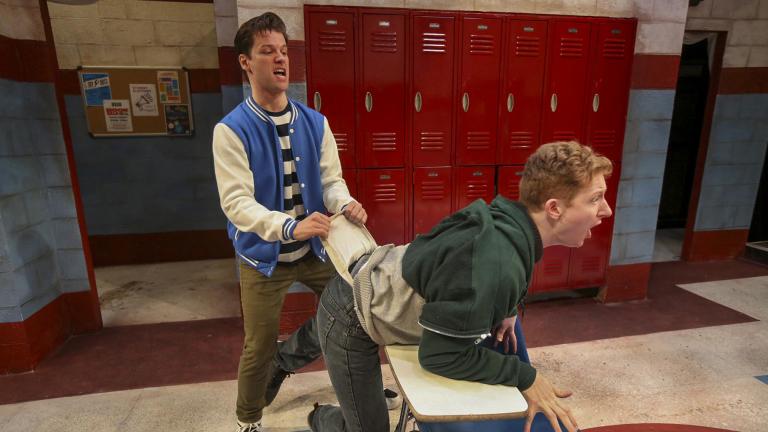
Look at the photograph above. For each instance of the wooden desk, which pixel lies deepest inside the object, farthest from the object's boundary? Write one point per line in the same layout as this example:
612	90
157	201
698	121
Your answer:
432	398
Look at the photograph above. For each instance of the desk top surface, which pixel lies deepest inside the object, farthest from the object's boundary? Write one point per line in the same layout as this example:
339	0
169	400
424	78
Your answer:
433	398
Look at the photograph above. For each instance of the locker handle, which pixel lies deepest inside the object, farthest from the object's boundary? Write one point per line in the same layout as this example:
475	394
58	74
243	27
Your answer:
553	102
318	101
596	102
510	102
417	101
368	101
465	101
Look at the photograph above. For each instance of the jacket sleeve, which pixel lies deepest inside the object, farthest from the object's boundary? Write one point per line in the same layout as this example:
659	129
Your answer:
335	192
234	180
462	359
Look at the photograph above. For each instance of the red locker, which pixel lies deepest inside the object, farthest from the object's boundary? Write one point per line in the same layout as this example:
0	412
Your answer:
381	98
432	197
566	82
520	112
606	107
331	75
433	77
383	193
589	263
350	177
509	181
477	120
473	183
551	273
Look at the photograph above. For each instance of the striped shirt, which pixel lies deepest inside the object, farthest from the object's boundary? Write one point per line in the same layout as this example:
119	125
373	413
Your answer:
290	250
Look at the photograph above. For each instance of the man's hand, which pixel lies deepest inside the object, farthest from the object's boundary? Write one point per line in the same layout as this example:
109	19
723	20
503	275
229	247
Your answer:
355	212
505	334
542	396
316	224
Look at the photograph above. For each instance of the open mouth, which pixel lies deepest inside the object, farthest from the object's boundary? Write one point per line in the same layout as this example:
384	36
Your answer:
280	72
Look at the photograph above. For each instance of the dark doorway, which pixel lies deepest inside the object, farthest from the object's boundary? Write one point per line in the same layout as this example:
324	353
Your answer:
758	232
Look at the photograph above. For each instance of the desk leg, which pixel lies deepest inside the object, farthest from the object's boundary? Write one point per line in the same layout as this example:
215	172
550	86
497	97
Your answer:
401	424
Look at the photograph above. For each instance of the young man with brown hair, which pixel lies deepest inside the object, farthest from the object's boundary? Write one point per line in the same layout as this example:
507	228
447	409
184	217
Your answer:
454	286
278	174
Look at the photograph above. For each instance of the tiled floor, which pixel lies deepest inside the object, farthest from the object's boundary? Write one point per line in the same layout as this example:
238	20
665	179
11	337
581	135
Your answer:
668	245
705	376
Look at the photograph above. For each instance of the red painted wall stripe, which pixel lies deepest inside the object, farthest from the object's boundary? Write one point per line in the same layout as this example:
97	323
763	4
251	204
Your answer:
715	245
625	283
229	70
655	71
25	60
743	80
200	81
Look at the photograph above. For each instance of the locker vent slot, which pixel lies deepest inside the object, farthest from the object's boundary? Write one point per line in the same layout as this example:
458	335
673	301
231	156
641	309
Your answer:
591	265
342	142
564	136
571	47
513	190
614	48
527	46
521	139
433	190
475	189
553	268
432	141
333	40
478	141
384	141
385	192
384	42
482	44
604	138
433	43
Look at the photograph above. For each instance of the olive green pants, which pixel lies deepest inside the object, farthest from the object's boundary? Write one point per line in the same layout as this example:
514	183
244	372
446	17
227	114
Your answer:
262	298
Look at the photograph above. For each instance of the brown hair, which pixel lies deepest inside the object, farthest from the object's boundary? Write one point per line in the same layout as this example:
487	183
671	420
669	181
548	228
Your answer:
559	170
261	24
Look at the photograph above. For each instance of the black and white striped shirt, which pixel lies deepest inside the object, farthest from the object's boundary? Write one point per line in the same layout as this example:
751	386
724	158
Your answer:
290	250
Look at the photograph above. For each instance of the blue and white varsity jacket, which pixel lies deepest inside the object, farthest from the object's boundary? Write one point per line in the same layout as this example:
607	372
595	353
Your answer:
249	175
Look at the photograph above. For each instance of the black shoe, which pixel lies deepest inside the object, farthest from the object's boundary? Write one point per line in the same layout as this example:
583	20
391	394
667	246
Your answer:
393	399
277	376
311	415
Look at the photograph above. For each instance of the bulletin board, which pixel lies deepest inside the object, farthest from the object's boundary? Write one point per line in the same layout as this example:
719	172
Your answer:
136	101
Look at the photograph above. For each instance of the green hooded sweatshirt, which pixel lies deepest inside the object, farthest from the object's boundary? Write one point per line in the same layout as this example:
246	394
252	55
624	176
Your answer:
473	270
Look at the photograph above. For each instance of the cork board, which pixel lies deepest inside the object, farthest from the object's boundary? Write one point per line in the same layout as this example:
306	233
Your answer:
136	101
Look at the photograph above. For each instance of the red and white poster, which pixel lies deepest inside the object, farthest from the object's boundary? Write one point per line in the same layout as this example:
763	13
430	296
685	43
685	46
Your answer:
117	114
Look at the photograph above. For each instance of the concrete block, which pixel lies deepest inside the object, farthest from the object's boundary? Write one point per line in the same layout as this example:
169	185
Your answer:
56	170
72	264
298	91
171	11
226	8
640	245
743	216
635	219
38	101
670	10
200	57
13	214
226	29
8	136
749	33
61	202
736	56
74	285
629	166
646	192
29	244
21	23
758	55
735	9
762	11
18	175
618	245
624	195
727	107
632	137
369	3
651	104
67	234
641	9
32	306
158	56
567	7
749	153
128	32
231	96
466	5
293	17
36	206
185	34
719	153
659	37
714	217
709	24
77	31
8	297
732	130
701	10
267	4
68	56
654	135
754	106
650	165
12	98
10	315
45	138
83	10
116	55
112	9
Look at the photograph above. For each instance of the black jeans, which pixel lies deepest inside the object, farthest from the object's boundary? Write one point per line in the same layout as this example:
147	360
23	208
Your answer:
353	363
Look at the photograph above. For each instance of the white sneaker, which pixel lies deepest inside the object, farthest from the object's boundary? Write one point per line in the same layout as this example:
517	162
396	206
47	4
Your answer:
249	427
393	399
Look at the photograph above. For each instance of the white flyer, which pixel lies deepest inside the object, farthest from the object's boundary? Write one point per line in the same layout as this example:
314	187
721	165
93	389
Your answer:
144	100
117	114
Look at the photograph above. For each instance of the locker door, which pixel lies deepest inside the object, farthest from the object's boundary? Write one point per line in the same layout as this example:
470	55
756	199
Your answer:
350	177
478	96
381	98
589	263
521	93
383	194
432	197
433	60
509	181
331	76
472	183
612	53
566	82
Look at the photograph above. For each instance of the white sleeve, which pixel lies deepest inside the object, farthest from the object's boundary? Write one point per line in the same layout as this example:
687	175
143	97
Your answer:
335	192
236	190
